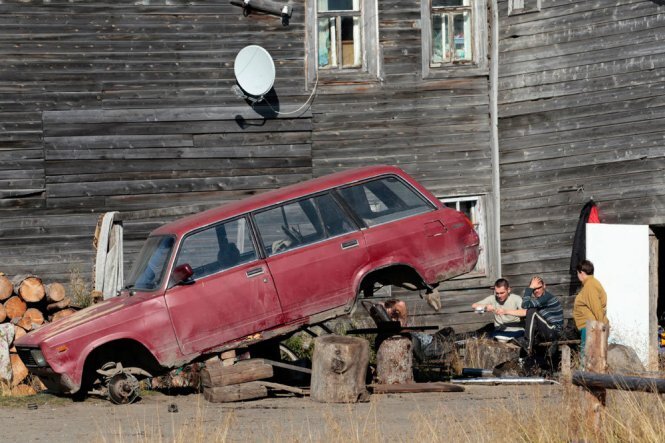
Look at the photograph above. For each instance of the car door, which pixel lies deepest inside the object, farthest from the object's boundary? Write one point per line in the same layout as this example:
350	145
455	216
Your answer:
314	252
232	294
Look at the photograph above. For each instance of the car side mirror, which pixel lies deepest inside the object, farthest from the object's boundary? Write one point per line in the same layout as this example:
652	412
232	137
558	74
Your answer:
183	274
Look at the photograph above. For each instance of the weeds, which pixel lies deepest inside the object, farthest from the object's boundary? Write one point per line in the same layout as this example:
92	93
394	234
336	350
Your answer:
80	289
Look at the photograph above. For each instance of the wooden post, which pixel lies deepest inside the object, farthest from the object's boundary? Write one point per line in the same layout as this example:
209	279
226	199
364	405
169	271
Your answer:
394	361
565	363
595	360
339	368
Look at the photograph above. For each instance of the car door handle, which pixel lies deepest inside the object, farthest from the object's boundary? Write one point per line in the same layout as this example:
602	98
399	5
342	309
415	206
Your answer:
349	244
254	271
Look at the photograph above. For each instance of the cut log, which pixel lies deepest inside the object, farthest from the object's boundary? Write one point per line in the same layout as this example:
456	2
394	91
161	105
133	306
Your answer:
29	288
25	323
57	306
18	333
15	307
23	390
55	292
19	371
3	313
394	361
416	387
216	374
62	314
339	369
6	288
245	391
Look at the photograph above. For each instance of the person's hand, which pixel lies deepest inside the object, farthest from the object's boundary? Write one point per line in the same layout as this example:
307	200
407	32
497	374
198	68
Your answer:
489	308
536	282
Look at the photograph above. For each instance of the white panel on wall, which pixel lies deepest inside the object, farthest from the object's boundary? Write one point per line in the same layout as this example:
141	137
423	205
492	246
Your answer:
620	254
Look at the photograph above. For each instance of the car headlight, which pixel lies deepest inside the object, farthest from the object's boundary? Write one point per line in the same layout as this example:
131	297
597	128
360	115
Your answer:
38	357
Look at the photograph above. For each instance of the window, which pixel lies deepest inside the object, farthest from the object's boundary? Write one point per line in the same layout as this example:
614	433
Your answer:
516	7
150	265
342	38
299	223
383	200
454	35
217	248
339	36
472	207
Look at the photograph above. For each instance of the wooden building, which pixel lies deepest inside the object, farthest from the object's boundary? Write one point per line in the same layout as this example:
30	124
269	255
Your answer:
516	112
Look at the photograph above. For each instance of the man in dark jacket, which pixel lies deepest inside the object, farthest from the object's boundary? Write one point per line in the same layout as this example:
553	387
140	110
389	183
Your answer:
543	312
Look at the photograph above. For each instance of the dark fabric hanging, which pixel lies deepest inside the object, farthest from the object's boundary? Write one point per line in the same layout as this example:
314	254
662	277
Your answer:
588	214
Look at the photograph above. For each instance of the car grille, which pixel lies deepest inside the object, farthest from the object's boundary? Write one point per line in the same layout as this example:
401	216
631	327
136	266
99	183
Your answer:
26	357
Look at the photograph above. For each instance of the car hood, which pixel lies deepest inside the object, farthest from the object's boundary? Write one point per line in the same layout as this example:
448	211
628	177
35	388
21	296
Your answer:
84	316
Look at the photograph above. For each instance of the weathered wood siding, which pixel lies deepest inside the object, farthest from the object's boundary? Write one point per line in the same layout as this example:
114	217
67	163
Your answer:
128	106
581	116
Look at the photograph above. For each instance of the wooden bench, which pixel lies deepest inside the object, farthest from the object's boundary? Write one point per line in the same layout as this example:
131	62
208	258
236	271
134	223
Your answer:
563	347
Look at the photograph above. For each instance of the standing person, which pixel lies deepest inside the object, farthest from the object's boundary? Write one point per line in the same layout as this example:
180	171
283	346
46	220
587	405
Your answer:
590	302
505	325
543	313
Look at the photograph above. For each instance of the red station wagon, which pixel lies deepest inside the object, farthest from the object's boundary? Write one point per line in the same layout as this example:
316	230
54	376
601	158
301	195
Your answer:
255	270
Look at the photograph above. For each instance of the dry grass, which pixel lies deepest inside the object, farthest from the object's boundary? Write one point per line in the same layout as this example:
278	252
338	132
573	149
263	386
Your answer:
79	289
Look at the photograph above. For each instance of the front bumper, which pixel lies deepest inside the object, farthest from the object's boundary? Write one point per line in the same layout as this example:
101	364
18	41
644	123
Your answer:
55	382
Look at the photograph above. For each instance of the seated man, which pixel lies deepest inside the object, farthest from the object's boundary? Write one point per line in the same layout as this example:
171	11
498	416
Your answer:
543	312
506	325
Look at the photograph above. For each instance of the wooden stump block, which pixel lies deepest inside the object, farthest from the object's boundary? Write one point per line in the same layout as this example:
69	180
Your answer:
244	391
3	313
57	306
23	390
6	288
339	368
394	361
217	375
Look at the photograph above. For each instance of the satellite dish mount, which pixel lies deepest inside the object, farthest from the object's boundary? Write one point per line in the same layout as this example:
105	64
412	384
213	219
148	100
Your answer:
267	7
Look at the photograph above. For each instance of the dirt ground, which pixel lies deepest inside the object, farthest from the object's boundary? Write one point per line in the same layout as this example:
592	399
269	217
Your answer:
386	417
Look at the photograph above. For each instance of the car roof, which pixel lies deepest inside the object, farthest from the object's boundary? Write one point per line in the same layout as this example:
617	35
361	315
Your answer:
182	226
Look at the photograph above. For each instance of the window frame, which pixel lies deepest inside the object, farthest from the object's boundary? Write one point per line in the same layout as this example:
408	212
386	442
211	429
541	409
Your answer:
369	71
478	65
480	225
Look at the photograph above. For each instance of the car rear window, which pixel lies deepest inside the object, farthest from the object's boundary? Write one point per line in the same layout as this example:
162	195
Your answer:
383	200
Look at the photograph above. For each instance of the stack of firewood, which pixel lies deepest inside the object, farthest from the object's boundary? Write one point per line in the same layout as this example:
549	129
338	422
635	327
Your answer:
27	303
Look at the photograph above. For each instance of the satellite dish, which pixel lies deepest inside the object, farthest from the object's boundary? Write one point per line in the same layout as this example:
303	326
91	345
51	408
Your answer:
254	71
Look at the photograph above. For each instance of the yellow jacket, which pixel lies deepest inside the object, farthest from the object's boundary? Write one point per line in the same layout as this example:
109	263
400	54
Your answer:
590	303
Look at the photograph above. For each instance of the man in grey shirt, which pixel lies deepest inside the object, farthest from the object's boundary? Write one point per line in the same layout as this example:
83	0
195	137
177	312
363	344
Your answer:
506	326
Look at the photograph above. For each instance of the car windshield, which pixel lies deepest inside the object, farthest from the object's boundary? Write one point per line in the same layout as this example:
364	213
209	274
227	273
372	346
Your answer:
149	268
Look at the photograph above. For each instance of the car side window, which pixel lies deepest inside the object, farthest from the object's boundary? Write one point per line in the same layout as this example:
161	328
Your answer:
300	223
217	248
383	200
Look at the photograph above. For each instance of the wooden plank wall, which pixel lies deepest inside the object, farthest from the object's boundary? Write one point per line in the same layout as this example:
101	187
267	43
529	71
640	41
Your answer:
129	106
118	106
581	116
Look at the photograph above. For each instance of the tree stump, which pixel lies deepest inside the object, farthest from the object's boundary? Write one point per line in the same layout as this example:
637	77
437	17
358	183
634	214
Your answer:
394	361
6	287
339	369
